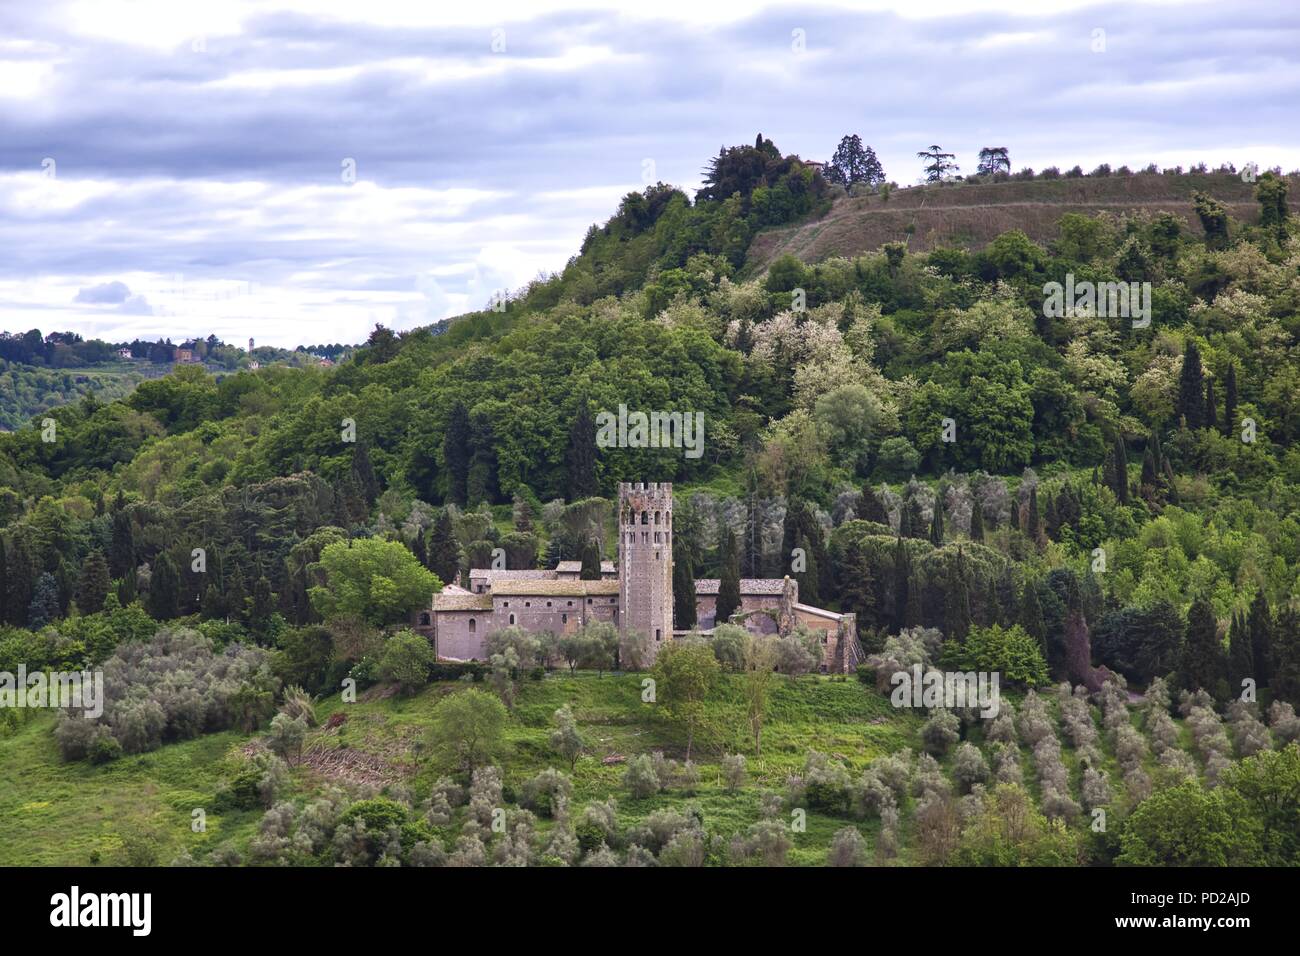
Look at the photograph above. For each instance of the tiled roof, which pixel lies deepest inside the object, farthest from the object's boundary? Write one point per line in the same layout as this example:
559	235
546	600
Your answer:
529	588
529	575
747	585
575	567
462	602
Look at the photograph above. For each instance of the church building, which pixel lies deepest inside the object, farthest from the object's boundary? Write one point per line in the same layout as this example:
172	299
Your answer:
636	595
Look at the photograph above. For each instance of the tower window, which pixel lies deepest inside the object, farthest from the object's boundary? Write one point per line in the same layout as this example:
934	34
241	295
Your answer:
657	637
645	517
564	619
512	620
548	603
473	625
656	555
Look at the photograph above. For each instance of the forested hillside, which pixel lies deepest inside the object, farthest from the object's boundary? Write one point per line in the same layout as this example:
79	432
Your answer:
1109	501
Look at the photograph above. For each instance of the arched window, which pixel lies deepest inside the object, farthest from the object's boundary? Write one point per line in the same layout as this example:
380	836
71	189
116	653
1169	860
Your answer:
473	625
512	620
424	618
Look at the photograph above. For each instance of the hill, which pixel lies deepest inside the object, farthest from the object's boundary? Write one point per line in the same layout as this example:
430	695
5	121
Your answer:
969	215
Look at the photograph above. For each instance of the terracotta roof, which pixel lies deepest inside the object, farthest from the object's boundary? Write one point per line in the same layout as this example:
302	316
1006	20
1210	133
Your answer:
529	588
747	585
575	567
462	602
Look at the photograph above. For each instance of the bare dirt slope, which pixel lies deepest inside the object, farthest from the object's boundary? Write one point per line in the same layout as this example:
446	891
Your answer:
969	216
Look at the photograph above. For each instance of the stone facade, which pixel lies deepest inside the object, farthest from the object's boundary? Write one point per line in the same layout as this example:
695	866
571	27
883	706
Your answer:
636	595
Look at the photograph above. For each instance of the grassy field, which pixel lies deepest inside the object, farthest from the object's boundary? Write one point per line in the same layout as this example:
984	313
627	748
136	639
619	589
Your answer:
140	807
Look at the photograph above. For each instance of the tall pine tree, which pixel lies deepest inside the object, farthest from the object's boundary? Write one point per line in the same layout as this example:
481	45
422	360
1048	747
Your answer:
729	585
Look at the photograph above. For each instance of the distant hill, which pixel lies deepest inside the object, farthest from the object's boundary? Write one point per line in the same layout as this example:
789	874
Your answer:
970	215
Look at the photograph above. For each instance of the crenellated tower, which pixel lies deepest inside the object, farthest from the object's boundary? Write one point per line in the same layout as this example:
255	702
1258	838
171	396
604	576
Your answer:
645	561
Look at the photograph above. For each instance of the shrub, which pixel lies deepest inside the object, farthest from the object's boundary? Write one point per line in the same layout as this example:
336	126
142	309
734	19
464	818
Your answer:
940	732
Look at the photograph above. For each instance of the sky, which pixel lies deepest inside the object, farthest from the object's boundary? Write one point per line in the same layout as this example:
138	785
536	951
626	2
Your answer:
297	171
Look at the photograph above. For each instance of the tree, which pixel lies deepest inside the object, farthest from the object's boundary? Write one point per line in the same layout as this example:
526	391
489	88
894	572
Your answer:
1270	193
94	584
286	737
1230	399
44	607
994	159
1214	219
406	661
760	660
684	674
443	550
1186	825
855	163
481	479
381	581
684	603
455	454
468	728
1191	388
121	552
590	561
936	524
1260	625
581	455
938	166
728	601
364	473
566	738
164	589
977	523
1204	665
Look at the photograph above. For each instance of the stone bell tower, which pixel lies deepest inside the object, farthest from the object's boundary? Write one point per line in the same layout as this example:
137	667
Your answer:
645	561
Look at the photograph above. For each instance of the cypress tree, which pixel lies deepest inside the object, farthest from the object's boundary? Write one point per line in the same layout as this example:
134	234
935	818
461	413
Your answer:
1241	664
872	508
1052	518
1285	679
913	615
1261	639
858	594
590	561
4	582
236	595
977	523
455	454
481	481
992	606
93	586
164	589
263	605
1211	412
581	455
936	524
1033	524
121	552
957	615
902	581
684	609
363	472
21	578
1191	387
443	550
127	588
1204	665
905	520
1031	615
1230	399
1121	470
810	579
729	584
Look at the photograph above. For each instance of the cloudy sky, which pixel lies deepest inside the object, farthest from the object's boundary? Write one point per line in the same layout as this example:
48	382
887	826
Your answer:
298	170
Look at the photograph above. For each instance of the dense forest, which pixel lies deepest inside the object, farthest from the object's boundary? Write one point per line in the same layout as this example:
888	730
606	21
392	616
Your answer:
1069	496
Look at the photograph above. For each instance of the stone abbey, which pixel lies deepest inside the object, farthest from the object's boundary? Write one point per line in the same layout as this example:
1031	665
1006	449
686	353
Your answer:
636	595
